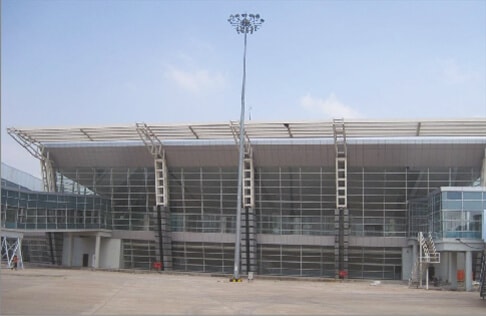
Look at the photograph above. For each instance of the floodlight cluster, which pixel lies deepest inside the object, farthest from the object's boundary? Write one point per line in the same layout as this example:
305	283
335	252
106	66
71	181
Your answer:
246	23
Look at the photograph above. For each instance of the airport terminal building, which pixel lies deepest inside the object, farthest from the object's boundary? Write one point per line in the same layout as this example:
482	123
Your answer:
337	198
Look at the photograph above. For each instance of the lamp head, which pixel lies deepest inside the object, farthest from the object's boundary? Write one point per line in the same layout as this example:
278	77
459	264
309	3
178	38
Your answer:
246	23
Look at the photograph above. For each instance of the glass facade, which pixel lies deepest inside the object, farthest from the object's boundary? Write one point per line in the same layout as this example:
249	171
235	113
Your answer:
138	254
289	201
203	200
450	212
458	213
295	201
300	201
23	209
296	260
384	263
203	256
129	190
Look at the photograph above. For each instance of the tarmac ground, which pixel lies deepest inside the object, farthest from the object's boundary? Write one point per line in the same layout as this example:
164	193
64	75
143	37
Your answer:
47	291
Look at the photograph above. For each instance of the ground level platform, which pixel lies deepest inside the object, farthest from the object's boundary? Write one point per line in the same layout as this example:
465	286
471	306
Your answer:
48	291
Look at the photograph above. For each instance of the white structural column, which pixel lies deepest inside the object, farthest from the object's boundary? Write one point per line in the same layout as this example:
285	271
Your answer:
414	252
468	272
407	262
97	252
444	266
453	269
414	257
69	249
483	171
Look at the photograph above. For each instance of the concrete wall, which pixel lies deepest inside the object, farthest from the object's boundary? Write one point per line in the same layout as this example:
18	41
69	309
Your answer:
110	253
80	246
442	269
407	262
461	261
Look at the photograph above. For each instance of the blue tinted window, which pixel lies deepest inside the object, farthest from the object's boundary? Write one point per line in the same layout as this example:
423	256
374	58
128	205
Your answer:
472	195
473	205
452	195
451	205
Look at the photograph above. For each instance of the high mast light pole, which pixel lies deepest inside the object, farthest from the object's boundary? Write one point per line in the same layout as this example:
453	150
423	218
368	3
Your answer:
243	24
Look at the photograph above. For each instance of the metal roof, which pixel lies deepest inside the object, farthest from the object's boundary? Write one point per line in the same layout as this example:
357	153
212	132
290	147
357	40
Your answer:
255	130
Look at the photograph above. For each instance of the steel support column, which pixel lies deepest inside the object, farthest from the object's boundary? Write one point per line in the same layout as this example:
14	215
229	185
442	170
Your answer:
468	273
248	224
341	214
483	170
163	233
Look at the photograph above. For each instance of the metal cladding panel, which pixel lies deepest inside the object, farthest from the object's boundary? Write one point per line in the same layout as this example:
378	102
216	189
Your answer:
294	155
201	156
274	155
263	155
415	155
100	156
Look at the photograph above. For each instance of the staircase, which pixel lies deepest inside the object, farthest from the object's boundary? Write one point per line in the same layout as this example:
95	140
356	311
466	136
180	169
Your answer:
414	279
428	255
55	244
433	255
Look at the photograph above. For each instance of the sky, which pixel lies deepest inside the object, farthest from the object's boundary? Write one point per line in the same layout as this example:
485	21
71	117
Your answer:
99	62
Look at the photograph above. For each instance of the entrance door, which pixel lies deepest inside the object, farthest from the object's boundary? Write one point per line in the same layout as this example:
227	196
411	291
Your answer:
85	259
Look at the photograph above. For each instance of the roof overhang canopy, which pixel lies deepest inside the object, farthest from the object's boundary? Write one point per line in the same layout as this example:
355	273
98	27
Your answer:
257	130
275	143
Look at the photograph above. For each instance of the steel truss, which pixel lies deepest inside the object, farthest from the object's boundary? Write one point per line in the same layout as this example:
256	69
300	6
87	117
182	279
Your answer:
12	246
163	236
37	149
